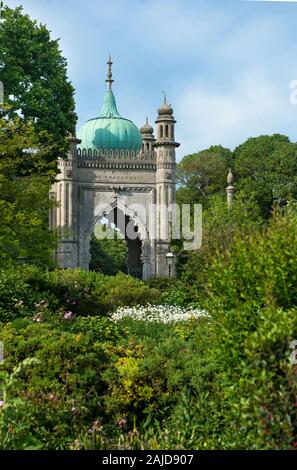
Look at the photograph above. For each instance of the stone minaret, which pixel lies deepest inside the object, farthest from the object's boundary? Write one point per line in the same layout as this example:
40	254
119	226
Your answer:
165	146
65	217
148	140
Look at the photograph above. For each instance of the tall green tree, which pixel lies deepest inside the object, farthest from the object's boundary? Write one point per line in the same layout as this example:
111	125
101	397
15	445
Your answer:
34	75
35	120
24	200
266	167
203	174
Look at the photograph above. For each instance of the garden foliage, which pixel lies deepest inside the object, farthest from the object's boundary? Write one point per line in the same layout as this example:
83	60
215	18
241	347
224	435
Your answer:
84	370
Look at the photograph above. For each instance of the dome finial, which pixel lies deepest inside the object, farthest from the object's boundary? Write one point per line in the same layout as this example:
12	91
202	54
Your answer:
109	79
230	177
165	108
146	129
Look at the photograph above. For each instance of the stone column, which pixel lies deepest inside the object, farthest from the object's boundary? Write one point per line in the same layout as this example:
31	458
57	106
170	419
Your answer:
230	189
66	193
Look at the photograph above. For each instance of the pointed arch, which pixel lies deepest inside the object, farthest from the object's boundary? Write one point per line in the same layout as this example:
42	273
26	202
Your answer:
142	238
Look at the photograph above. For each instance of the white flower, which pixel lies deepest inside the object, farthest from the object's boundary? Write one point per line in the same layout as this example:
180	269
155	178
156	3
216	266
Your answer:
158	313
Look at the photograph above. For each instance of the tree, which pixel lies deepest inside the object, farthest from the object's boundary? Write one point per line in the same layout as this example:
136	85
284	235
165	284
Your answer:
34	75
203	174
35	121
266	167
108	255
220	227
24	200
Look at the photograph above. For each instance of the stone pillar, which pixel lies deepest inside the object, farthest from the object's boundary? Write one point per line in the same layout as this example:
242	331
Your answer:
65	190
230	189
145	259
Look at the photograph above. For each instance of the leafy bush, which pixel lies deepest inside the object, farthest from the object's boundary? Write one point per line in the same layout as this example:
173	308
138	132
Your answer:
268	385
253	300
25	290
220	227
173	291
18	295
16	414
259	268
152	365
99	328
61	390
222	381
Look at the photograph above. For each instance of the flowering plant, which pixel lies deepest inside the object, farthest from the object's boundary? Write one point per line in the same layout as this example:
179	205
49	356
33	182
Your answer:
158	313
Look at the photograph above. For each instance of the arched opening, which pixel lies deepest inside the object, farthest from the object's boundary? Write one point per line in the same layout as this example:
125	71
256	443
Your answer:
161	132
147	146
166	131
109	255
116	245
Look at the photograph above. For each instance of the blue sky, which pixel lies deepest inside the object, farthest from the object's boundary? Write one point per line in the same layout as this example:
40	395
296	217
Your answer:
225	65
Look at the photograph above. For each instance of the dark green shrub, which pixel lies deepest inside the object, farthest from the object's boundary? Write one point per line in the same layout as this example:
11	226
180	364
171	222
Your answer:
123	290
152	365
259	268
98	328
220	227
173	291
18	294
265	417
91	293
26	290
61	391
252	298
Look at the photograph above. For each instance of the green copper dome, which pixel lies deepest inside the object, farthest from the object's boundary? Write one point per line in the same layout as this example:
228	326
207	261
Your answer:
109	130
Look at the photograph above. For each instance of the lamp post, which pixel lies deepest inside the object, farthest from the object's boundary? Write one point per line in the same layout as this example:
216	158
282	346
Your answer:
169	260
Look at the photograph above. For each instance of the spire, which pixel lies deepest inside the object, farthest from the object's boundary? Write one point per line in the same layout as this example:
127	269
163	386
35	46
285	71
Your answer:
165	102
109	79
109	108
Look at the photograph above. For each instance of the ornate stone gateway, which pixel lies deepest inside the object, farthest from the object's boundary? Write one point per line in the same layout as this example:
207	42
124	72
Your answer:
116	171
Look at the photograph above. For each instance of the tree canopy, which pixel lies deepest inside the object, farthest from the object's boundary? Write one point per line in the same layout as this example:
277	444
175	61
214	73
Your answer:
24	200
34	75
265	170
203	174
266	167
35	120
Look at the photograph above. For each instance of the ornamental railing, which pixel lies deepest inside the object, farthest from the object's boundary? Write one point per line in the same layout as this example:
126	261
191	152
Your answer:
115	154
